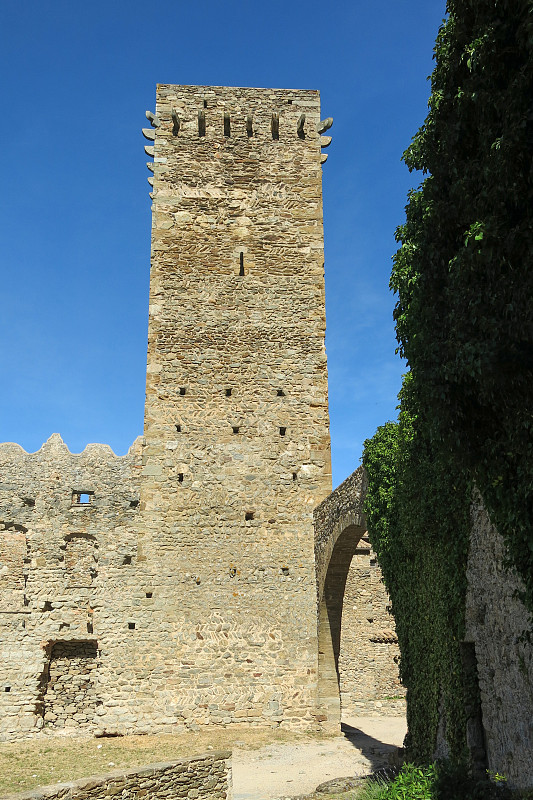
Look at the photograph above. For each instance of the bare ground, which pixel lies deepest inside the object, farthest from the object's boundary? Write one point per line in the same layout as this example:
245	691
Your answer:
267	763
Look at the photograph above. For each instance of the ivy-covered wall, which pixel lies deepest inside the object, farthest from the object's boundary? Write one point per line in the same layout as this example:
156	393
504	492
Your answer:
464	321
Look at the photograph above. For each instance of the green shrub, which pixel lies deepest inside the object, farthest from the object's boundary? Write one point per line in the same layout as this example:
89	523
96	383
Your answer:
440	781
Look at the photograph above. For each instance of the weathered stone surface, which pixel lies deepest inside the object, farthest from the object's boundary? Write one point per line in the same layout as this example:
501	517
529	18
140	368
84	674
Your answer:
206	776
495	622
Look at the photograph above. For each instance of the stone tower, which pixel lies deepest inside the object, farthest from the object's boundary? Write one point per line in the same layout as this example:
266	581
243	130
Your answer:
236	435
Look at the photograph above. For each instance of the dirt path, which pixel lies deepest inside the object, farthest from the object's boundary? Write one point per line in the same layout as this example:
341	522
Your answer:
286	770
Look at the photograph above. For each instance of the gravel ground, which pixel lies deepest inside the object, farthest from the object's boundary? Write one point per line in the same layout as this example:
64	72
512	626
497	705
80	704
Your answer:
286	770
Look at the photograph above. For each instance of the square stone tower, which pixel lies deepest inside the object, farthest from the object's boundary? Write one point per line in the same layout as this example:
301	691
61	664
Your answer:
237	446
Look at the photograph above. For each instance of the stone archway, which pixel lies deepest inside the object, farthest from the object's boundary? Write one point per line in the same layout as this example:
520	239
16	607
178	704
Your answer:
339	525
329	624
362	663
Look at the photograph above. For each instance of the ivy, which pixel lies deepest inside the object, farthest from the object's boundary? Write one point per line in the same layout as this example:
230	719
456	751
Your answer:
418	522
464	322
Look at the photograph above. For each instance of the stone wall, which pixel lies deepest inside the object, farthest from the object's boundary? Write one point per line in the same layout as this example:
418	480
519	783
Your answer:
204	776
369	651
495	622
68	584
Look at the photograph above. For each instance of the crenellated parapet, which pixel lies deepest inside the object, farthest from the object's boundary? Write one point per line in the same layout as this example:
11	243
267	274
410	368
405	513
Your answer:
234	118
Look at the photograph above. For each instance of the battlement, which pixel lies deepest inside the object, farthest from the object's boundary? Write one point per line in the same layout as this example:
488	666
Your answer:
216	112
260	123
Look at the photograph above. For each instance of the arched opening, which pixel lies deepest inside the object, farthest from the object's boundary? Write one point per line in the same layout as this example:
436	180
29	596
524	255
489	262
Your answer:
329	625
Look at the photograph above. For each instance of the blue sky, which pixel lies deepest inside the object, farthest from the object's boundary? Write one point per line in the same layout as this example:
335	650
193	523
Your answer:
75	217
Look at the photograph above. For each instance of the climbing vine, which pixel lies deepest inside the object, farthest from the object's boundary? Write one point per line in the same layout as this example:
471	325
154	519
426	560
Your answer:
418	519
464	322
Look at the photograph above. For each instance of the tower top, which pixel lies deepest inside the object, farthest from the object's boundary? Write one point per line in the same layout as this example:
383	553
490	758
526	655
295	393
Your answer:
240	113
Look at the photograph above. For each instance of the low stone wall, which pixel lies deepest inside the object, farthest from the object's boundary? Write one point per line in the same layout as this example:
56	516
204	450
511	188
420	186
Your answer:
203	776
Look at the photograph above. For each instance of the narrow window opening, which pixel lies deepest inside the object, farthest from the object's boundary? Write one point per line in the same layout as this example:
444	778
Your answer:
249	516
282	431
235	429
175	122
205	103
249	125
294	476
280	393
149	595
89	627
201	122
183	390
178	428
228	392
289	102
180	477
131	626
284	570
126	560
275	125
227	124
7	689
241	264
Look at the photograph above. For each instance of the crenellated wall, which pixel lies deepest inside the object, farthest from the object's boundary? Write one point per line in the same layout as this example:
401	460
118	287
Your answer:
68	574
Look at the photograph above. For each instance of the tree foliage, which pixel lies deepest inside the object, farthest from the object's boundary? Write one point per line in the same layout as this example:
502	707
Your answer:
463	273
464	322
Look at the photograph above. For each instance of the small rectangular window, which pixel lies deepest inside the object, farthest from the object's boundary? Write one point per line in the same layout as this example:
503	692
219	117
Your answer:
81	498
282	431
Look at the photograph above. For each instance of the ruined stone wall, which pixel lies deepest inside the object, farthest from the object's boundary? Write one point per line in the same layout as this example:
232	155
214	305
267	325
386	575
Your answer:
68	583
369	651
207	776
237	442
495	622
